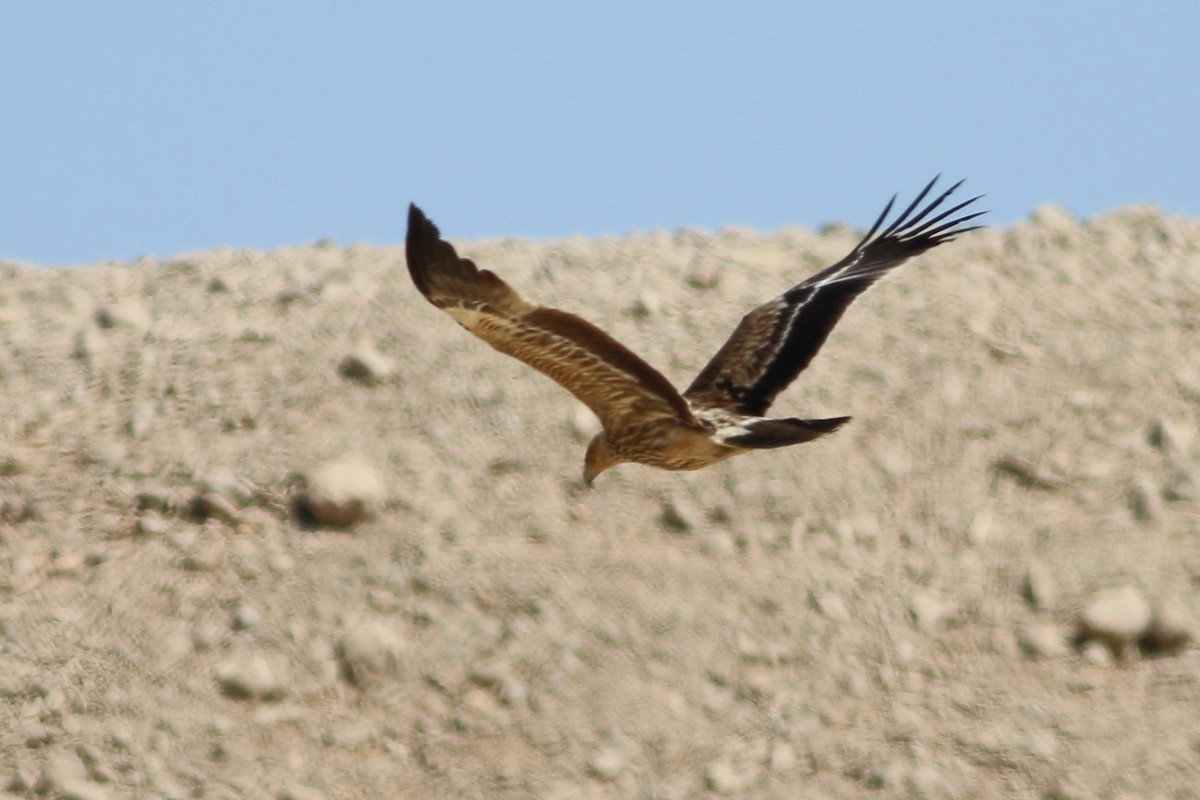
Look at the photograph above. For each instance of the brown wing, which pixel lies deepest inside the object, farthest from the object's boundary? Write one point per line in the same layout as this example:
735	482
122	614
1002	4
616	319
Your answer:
605	375
777	340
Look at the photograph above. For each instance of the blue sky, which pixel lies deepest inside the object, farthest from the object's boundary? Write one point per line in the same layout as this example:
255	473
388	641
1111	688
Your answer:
152	128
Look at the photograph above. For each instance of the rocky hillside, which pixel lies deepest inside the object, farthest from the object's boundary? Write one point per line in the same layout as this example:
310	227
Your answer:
984	586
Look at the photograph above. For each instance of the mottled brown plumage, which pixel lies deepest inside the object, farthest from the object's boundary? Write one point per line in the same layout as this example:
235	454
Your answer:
644	418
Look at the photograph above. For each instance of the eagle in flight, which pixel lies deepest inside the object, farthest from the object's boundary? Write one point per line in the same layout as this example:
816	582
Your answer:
645	418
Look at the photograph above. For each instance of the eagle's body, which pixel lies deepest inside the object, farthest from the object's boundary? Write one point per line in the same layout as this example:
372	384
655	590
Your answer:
644	418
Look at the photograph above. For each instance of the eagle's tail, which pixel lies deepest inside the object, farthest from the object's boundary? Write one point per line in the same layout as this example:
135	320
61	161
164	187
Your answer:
767	433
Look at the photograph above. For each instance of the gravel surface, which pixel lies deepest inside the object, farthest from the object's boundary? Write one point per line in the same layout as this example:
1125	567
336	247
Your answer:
271	526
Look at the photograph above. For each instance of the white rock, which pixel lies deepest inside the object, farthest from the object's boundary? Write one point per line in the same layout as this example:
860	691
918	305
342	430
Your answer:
831	605
498	676
366	365
343	492
206	635
369	646
1040	587
648	304
1172	437
782	758
211	505
1145	499
582	423
223	481
1118	617
930	612
607	763
1043	640
251	676
980	528
245	617
62	768
724	777
1098	654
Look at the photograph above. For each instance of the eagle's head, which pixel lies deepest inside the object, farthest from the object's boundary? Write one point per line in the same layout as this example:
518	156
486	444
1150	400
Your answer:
598	458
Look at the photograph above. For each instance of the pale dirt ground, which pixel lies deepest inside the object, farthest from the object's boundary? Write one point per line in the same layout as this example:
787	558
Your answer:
839	620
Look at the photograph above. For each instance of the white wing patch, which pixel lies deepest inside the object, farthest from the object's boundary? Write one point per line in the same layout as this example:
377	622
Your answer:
469	318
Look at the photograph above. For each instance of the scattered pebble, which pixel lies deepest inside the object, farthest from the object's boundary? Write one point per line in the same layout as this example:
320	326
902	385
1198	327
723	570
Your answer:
582	423
725	777
1040	588
1043	640
1118	617
342	493
158	498
66	775
368	646
207	635
1145	499
647	304
35	734
680	514
703	273
1097	654
211	505
150	525
349	734
1028	474
607	763
95	555
366	365
499	677
245	617
251	676
831	605
1172	437
980	529
224	482
930	612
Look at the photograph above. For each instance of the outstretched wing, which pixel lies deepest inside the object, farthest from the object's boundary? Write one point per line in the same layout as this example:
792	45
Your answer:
777	340
605	375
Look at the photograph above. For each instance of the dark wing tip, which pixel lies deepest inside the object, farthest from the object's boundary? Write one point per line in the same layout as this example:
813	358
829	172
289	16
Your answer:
421	247
417	220
936	229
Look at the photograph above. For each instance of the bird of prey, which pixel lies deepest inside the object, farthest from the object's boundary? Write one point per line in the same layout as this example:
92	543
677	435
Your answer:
645	418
